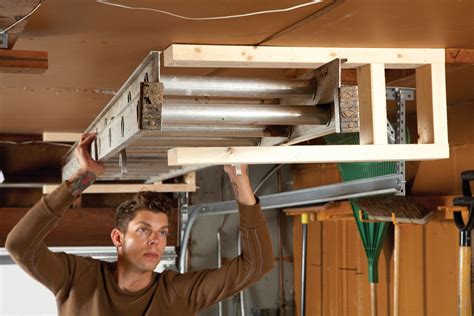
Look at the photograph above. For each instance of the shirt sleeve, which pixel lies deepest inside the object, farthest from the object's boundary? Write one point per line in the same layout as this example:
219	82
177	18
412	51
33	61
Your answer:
206	287
26	246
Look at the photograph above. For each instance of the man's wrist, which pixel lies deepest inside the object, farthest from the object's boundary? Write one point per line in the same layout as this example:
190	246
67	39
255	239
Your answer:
80	181
243	190
248	200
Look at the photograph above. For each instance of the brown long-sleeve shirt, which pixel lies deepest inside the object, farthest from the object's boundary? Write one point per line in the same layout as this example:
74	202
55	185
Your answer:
86	286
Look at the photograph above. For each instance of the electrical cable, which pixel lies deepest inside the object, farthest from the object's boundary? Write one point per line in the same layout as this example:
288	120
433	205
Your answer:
34	142
212	17
266	177
26	16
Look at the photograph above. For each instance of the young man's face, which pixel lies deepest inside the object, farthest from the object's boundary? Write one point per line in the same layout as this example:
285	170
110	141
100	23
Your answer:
144	242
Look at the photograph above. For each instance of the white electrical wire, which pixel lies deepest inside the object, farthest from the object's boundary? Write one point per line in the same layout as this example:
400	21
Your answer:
212	17
26	16
34	142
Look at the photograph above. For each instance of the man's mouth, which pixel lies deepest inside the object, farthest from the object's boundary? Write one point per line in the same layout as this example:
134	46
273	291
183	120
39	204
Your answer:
151	255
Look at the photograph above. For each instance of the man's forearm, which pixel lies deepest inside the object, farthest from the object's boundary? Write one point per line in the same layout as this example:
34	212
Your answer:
28	234
79	182
88	168
243	190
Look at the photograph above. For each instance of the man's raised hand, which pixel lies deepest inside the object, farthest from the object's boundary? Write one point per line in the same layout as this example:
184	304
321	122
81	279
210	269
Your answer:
89	169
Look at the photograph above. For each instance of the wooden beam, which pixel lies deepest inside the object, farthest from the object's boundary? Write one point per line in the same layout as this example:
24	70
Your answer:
180	55
442	205
400	77
372	104
77	227
20	137
459	56
305	154
61	137
406	77
340	210
190	178
393	77
20	61
431	104
349	77
132	188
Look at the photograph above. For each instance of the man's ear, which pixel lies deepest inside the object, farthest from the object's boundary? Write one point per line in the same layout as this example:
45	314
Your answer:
117	237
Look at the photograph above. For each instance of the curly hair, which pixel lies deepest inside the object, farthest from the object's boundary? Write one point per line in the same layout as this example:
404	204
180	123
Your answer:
144	200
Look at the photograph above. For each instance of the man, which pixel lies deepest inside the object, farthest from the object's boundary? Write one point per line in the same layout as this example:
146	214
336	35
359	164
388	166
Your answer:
85	286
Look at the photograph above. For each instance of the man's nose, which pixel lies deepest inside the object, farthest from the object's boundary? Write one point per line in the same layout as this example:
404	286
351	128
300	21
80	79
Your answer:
153	242
154	239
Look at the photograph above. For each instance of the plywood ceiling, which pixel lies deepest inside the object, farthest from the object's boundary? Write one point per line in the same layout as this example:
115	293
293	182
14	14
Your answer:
93	48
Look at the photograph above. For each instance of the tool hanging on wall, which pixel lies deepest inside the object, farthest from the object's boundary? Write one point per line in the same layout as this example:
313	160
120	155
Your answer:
371	234
304	223
464	285
399	210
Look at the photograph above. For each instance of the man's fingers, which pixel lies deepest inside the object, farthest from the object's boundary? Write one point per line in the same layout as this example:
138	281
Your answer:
232	169
227	168
87	139
82	149
83	155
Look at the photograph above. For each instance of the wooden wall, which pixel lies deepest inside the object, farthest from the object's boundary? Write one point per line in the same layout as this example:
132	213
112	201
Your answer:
337	281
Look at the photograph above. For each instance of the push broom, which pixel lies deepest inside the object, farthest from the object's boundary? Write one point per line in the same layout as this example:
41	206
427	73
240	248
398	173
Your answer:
398	210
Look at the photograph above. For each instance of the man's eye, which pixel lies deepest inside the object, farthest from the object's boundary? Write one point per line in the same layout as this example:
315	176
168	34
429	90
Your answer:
142	230
163	233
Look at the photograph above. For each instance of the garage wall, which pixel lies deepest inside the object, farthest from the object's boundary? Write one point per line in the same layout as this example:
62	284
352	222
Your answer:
337	266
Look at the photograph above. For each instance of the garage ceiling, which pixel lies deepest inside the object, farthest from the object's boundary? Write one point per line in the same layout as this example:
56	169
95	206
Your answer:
93	48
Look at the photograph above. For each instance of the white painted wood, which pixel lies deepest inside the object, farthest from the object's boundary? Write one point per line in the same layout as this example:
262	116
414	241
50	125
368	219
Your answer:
305	154
431	104
132	188
228	56
372	104
61	137
440	115
190	178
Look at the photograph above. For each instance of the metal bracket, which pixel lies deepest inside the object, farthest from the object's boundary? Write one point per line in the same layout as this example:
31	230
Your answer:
183	206
401	95
3	40
327	80
123	161
183	203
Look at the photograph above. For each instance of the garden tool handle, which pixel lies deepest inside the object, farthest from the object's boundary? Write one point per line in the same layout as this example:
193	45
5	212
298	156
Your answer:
467	177
464	291
464	285
464	228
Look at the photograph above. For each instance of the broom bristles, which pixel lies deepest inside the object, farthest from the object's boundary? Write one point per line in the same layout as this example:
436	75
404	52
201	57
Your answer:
405	208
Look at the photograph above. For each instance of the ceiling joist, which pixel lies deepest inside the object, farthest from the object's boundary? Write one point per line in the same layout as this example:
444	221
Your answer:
181	55
20	61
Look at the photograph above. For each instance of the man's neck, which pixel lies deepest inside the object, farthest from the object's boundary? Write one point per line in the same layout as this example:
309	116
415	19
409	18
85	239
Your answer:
130	279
